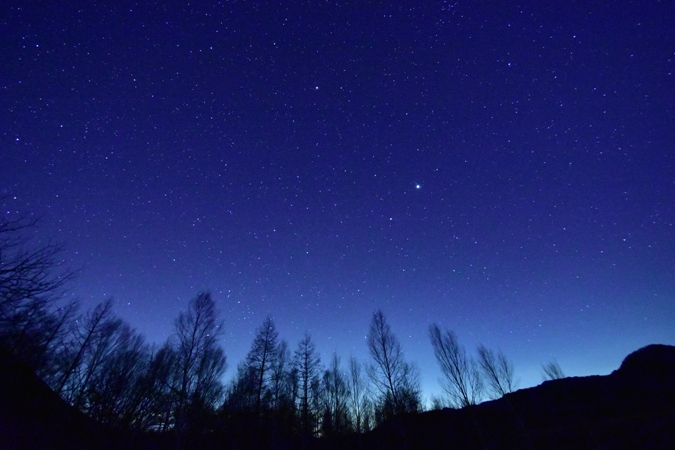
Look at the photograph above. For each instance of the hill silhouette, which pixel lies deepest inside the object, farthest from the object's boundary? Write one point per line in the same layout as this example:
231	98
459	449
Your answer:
633	407
32	416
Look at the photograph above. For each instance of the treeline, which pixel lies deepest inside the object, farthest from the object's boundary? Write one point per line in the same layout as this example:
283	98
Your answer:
99	364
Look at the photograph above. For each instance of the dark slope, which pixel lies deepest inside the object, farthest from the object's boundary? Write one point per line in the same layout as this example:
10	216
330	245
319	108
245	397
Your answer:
634	407
32	416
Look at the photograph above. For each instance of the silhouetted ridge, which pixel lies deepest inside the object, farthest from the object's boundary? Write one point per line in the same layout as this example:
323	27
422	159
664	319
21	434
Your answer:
652	361
634	407
32	416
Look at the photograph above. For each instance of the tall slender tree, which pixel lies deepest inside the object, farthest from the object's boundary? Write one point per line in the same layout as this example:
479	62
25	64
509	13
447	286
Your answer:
157	391
308	367
358	398
199	361
280	389
396	380
335	420
260	361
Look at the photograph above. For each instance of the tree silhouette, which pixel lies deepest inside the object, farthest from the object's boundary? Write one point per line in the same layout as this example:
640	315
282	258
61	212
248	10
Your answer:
552	371
358	398
150	399
199	361
158	388
32	324
260	361
497	371
462	381
335	417
396	380
307	363
85	352
110	391
281	390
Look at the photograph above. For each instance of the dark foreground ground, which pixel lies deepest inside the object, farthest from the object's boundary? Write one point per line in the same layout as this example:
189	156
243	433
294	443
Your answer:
632	408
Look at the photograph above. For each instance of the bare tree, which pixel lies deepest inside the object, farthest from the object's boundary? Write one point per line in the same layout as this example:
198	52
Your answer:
31	285
199	363
308	367
26	273
85	351
410	392
100	352
261	360
497	371
107	370
335	418
242	392
358	398
156	390
43	339
552	371
462	381
111	390
437	403
396	380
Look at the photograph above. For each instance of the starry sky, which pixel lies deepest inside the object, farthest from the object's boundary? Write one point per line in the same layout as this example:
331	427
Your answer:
505	169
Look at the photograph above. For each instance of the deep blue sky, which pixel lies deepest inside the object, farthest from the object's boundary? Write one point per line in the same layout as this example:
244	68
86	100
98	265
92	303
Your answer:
505	170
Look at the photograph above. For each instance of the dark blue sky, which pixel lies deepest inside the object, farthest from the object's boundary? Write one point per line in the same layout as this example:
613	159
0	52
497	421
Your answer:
507	171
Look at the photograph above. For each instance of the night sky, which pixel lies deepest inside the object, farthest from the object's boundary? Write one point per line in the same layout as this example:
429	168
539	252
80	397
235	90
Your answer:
505	169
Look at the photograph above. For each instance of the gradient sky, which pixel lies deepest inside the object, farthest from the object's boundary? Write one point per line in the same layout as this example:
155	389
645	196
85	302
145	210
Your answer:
506	169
